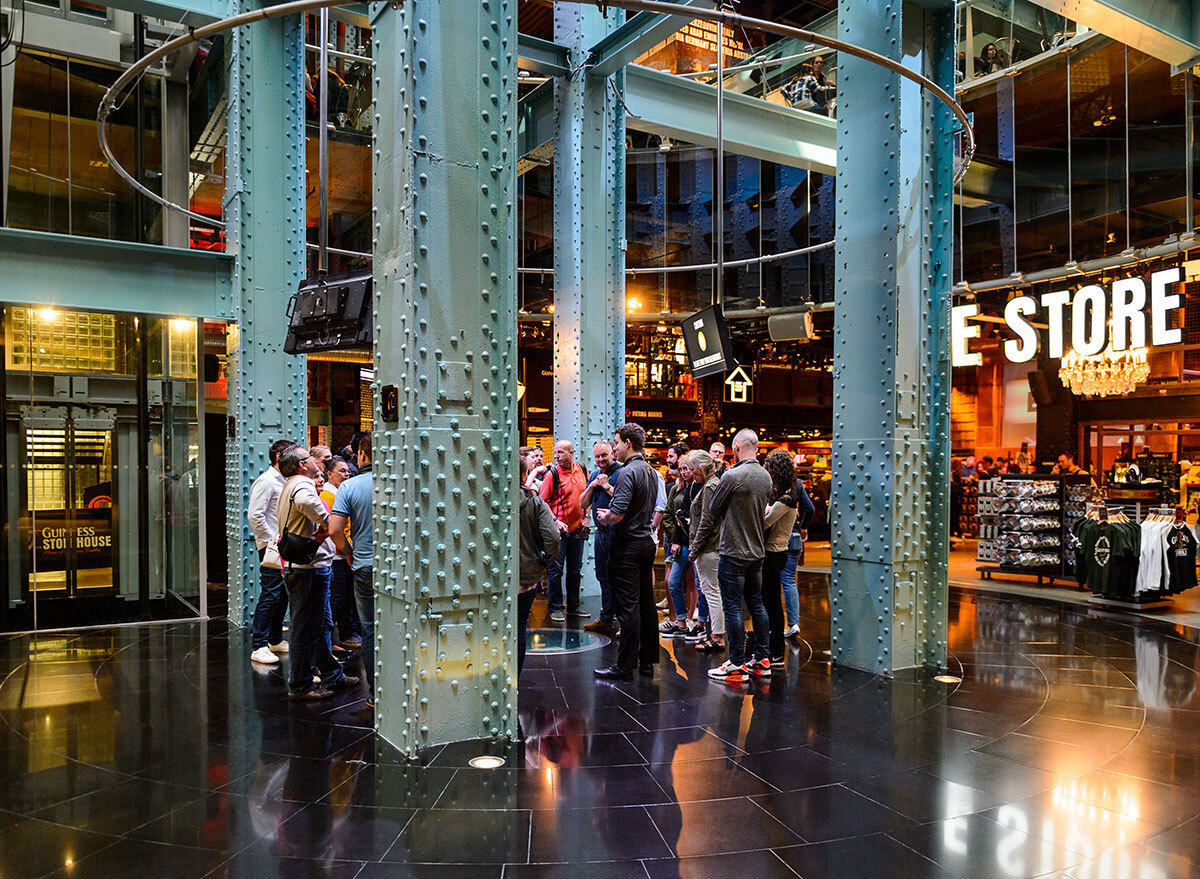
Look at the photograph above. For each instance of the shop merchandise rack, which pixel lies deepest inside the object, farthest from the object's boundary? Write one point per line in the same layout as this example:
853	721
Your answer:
1025	524
1138	501
1148	601
968	519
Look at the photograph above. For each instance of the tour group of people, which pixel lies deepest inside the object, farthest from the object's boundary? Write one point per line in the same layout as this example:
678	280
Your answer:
732	535
310	512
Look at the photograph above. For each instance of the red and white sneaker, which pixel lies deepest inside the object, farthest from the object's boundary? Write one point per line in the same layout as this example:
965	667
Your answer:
729	673
759	667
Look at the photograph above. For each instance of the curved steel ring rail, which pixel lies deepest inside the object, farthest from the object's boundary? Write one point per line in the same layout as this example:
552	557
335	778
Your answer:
128	77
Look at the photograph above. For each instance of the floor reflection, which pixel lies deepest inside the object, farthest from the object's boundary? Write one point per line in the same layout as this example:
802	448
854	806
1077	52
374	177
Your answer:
1069	748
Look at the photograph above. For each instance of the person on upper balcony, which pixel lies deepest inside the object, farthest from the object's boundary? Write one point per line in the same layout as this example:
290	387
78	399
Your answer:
990	60
824	90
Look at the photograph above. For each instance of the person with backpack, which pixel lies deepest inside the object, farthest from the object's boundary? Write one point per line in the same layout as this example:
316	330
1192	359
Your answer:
539	542
562	490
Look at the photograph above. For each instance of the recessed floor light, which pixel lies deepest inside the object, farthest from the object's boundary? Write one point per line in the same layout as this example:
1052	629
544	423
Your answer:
486	762
947	679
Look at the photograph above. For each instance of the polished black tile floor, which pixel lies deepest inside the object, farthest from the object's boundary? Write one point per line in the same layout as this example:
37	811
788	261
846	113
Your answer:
1071	748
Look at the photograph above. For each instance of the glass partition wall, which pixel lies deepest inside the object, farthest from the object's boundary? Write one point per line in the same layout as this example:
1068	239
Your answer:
101	465
1080	156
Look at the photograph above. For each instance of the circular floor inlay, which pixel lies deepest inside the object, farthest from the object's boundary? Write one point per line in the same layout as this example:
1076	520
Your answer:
562	641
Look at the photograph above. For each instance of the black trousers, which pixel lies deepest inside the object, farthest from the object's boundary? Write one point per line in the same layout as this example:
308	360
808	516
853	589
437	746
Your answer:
524	605
631	579
772	595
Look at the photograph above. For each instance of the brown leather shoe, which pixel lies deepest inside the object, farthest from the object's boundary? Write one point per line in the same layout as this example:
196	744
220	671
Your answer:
605	627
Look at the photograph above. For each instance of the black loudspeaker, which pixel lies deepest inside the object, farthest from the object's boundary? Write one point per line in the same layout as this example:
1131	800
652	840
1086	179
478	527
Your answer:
797	326
330	314
1039	387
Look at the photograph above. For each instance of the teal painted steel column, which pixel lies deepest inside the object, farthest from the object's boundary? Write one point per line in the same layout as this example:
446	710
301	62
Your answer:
445	509
264	208
589	253
891	346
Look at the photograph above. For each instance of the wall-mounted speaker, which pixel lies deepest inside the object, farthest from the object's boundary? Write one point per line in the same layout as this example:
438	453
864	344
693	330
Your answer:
1039	387
797	326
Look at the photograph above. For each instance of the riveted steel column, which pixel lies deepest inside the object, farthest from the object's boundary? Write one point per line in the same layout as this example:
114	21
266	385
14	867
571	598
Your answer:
891	351
445	334
589	232
264	207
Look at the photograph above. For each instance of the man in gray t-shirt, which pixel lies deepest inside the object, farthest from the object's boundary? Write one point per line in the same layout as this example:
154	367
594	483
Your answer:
740	503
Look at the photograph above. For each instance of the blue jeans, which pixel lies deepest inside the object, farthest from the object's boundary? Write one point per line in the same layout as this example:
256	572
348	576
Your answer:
341	598
741	578
570	556
270	609
677	581
307	590
791	598
603	546
364	600
328	609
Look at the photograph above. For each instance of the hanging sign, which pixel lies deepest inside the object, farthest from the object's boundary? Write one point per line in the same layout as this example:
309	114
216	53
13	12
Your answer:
706	335
739	386
1135	313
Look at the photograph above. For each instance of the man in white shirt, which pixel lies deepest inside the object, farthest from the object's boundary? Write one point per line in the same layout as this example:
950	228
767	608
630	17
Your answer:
266	634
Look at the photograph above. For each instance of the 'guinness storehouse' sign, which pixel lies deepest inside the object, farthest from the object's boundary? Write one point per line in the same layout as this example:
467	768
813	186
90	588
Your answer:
1137	312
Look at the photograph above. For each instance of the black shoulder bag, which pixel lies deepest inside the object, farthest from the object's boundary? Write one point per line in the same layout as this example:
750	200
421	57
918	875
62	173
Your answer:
295	548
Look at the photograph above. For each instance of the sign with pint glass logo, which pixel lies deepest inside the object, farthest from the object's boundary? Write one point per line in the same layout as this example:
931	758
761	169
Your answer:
706	335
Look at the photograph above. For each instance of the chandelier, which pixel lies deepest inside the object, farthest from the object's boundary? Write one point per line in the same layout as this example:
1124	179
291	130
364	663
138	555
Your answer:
1109	372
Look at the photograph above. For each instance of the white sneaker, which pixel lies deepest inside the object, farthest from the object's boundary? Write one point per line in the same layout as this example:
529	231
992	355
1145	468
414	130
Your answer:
264	655
791	631
281	648
728	672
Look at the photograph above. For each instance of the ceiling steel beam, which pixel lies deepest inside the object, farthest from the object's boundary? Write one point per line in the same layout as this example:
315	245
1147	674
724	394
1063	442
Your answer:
48	269
1168	30
662	104
685	110
635	37
542	56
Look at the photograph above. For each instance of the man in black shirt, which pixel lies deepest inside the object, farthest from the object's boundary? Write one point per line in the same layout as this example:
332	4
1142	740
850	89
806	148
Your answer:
631	557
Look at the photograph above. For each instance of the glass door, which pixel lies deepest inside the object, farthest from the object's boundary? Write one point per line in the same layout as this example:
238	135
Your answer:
67	499
102	459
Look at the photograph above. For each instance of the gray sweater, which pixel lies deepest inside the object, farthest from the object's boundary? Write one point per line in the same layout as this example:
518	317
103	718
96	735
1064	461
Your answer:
703	531
740	504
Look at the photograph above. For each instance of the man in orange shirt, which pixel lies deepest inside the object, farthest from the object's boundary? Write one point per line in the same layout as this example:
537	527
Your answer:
561	490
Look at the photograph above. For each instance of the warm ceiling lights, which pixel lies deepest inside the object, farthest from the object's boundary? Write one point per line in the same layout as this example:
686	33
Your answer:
947	679
486	761
1109	372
